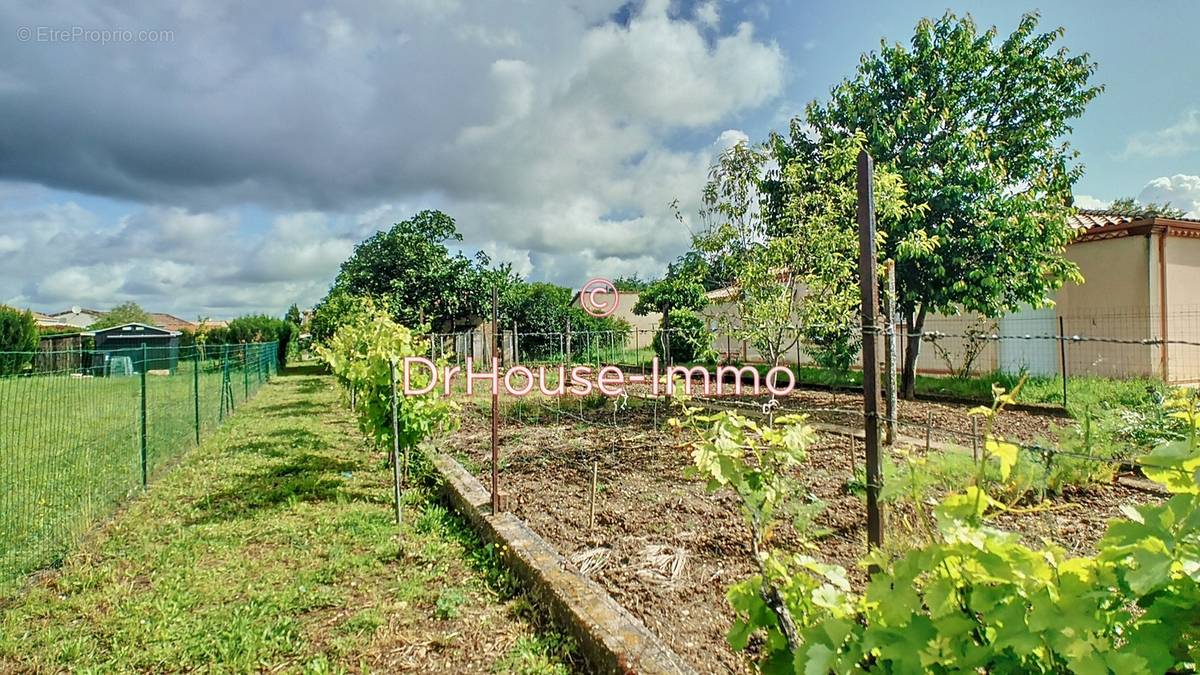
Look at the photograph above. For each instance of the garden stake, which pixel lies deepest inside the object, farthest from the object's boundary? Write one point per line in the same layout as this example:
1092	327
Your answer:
396	446
592	506
928	430
495	408
975	437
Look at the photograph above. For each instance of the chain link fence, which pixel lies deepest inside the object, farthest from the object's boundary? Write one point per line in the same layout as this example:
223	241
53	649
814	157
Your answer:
83	430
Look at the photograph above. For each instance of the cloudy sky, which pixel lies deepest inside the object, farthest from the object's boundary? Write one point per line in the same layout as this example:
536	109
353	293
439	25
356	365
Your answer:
217	157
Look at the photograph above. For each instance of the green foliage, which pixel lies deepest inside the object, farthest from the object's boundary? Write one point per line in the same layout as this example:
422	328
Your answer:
973	598
631	284
687	340
682	288
1131	206
337	307
18	333
293	315
126	312
409	273
361	354
254	328
789	239
975	128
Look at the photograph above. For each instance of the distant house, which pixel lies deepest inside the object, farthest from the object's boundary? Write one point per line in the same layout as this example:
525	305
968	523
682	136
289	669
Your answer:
45	323
171	322
78	316
1141	290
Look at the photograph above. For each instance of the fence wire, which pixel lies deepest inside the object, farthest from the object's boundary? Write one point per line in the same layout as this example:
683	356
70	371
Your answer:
82	430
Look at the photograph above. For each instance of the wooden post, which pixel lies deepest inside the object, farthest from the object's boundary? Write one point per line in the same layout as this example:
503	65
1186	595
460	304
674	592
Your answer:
889	354
928	430
869	284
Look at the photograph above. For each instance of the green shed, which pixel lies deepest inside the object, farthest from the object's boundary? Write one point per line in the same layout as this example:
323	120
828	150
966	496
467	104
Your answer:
132	347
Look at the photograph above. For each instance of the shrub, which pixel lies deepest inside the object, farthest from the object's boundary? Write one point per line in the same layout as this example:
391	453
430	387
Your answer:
257	328
973	598
689	339
18	337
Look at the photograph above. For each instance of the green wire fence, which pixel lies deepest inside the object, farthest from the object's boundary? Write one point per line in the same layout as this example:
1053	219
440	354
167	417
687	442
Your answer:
83	430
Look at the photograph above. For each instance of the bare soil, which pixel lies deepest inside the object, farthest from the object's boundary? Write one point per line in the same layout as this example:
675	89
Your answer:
667	549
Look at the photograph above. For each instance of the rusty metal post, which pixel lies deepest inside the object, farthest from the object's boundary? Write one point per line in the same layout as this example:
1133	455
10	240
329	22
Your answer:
495	404
869	284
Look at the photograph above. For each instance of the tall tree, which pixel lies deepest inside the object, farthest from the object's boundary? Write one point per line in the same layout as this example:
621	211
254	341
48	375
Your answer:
411	274
293	315
126	312
976	128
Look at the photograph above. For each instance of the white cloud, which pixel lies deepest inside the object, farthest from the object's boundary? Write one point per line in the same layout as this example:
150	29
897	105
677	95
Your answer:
1180	191
547	131
708	14
1178	139
1090	202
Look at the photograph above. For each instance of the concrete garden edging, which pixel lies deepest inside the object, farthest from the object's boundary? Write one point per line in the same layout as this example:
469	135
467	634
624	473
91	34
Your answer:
610	639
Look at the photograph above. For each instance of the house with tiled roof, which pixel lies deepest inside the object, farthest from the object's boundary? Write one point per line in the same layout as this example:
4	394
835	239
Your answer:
170	322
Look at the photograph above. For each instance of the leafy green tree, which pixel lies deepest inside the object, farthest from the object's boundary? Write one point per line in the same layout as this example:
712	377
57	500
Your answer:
976	130
293	315
409	273
630	284
681	289
689	340
1134	207
18	339
788	237
126	312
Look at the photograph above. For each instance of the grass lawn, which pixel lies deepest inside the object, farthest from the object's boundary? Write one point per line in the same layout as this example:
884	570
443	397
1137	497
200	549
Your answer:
70	448
272	546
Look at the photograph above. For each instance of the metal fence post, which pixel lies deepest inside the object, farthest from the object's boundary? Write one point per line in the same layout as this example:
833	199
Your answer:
145	467
1062	350
245	373
196	390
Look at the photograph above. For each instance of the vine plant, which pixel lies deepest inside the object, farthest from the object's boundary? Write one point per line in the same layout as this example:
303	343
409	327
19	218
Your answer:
973	598
361	354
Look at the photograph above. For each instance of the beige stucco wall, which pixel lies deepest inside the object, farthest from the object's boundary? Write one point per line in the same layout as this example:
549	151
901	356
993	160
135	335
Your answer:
1183	307
1119	298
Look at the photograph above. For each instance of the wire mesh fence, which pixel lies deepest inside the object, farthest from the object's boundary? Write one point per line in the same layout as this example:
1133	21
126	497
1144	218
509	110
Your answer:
1050	353
82	430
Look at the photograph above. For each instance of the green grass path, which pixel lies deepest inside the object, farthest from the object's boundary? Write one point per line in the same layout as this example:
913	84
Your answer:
272	547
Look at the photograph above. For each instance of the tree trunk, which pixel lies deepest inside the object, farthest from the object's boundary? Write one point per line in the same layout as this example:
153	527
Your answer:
908	381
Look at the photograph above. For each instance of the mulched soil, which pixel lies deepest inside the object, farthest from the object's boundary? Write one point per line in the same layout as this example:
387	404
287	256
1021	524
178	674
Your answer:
665	548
